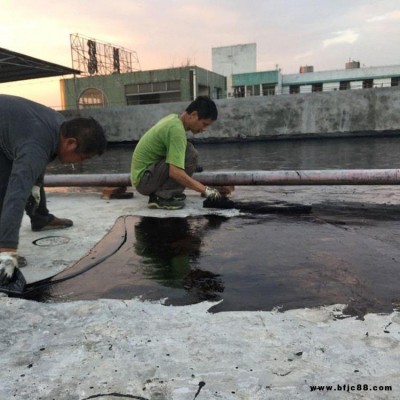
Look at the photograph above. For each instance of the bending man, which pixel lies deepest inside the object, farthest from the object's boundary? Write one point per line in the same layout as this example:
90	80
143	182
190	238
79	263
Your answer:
164	161
32	135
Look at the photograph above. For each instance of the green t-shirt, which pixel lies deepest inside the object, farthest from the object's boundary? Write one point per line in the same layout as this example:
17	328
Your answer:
165	140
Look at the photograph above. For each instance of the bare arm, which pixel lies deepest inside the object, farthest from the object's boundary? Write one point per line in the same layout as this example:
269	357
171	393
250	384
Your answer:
179	175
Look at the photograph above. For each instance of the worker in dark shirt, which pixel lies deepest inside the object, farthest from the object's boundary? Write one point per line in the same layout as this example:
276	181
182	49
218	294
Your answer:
32	135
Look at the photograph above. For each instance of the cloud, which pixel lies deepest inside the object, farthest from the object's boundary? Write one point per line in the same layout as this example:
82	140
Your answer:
392	16
307	54
348	36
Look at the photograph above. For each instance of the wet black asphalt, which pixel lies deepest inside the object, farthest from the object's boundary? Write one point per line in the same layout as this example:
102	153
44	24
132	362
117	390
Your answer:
347	254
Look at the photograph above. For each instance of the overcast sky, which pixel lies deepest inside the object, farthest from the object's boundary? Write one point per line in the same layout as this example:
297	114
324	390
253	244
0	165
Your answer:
166	33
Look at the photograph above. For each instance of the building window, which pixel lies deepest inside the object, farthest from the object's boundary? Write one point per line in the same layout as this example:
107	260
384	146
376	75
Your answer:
203	90
217	93
317	87
238	91
368	84
395	81
146	88
249	91
294	89
268	89
173	85
91	98
344	85
153	92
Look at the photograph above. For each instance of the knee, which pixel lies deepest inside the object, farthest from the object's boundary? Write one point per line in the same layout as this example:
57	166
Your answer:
192	155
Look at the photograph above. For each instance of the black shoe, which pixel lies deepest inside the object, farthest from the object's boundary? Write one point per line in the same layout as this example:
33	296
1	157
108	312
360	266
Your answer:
199	168
56	223
179	197
165	204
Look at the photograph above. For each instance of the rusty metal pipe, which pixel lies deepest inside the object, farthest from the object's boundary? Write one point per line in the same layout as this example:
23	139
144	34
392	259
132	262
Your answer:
78	180
247	178
303	177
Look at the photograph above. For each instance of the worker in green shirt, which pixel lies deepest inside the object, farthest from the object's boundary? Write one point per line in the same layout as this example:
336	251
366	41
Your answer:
164	161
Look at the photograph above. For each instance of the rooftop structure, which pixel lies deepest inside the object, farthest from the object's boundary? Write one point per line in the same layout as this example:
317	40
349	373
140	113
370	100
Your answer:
94	57
307	80
110	82
142	87
17	67
229	60
352	77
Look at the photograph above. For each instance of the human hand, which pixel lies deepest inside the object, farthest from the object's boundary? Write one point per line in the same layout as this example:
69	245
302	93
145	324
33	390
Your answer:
211	193
8	264
225	190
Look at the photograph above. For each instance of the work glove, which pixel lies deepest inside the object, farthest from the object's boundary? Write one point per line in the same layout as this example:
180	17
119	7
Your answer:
36	195
8	265
211	193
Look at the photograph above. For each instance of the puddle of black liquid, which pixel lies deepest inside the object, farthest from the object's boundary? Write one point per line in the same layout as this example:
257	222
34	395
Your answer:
249	262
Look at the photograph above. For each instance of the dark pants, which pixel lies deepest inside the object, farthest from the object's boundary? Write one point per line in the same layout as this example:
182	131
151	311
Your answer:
156	179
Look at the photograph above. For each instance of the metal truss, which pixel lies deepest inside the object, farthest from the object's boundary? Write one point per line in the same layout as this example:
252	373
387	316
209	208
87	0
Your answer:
93	57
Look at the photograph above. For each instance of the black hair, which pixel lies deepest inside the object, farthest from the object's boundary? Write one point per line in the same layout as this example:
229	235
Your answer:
89	134
205	107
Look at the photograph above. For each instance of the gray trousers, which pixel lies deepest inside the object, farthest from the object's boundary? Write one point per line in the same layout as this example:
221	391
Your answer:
156	179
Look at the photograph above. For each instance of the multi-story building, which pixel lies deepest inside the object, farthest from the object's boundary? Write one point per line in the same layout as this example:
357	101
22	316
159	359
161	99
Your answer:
183	84
306	81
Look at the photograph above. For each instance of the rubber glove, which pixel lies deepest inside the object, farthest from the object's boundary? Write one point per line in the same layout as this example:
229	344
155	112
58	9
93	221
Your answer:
8	264
211	193
36	194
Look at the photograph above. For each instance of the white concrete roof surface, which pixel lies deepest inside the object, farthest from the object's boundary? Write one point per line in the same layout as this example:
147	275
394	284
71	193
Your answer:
113	349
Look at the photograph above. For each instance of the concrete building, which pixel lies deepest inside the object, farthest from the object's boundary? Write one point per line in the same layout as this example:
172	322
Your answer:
233	60
237	59
307	80
142	87
234	75
352	77
266	83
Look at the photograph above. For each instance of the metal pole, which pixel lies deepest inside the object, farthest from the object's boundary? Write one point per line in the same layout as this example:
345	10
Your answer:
305	177
87	180
247	178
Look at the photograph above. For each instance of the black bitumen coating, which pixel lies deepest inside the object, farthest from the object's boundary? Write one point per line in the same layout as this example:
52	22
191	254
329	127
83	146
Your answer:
335	254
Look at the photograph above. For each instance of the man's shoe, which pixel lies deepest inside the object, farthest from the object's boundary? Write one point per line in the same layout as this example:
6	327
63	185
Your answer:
56	223
164	204
179	197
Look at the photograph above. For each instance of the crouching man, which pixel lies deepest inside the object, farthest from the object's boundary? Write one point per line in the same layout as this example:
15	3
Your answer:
32	135
163	161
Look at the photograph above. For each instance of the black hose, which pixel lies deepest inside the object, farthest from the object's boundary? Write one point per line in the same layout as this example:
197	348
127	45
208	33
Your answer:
50	281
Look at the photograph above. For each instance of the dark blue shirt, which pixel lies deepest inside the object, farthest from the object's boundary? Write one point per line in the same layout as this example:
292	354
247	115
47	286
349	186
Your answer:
29	136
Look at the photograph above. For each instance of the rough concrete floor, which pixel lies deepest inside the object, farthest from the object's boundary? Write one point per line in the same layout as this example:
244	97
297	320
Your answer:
113	349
